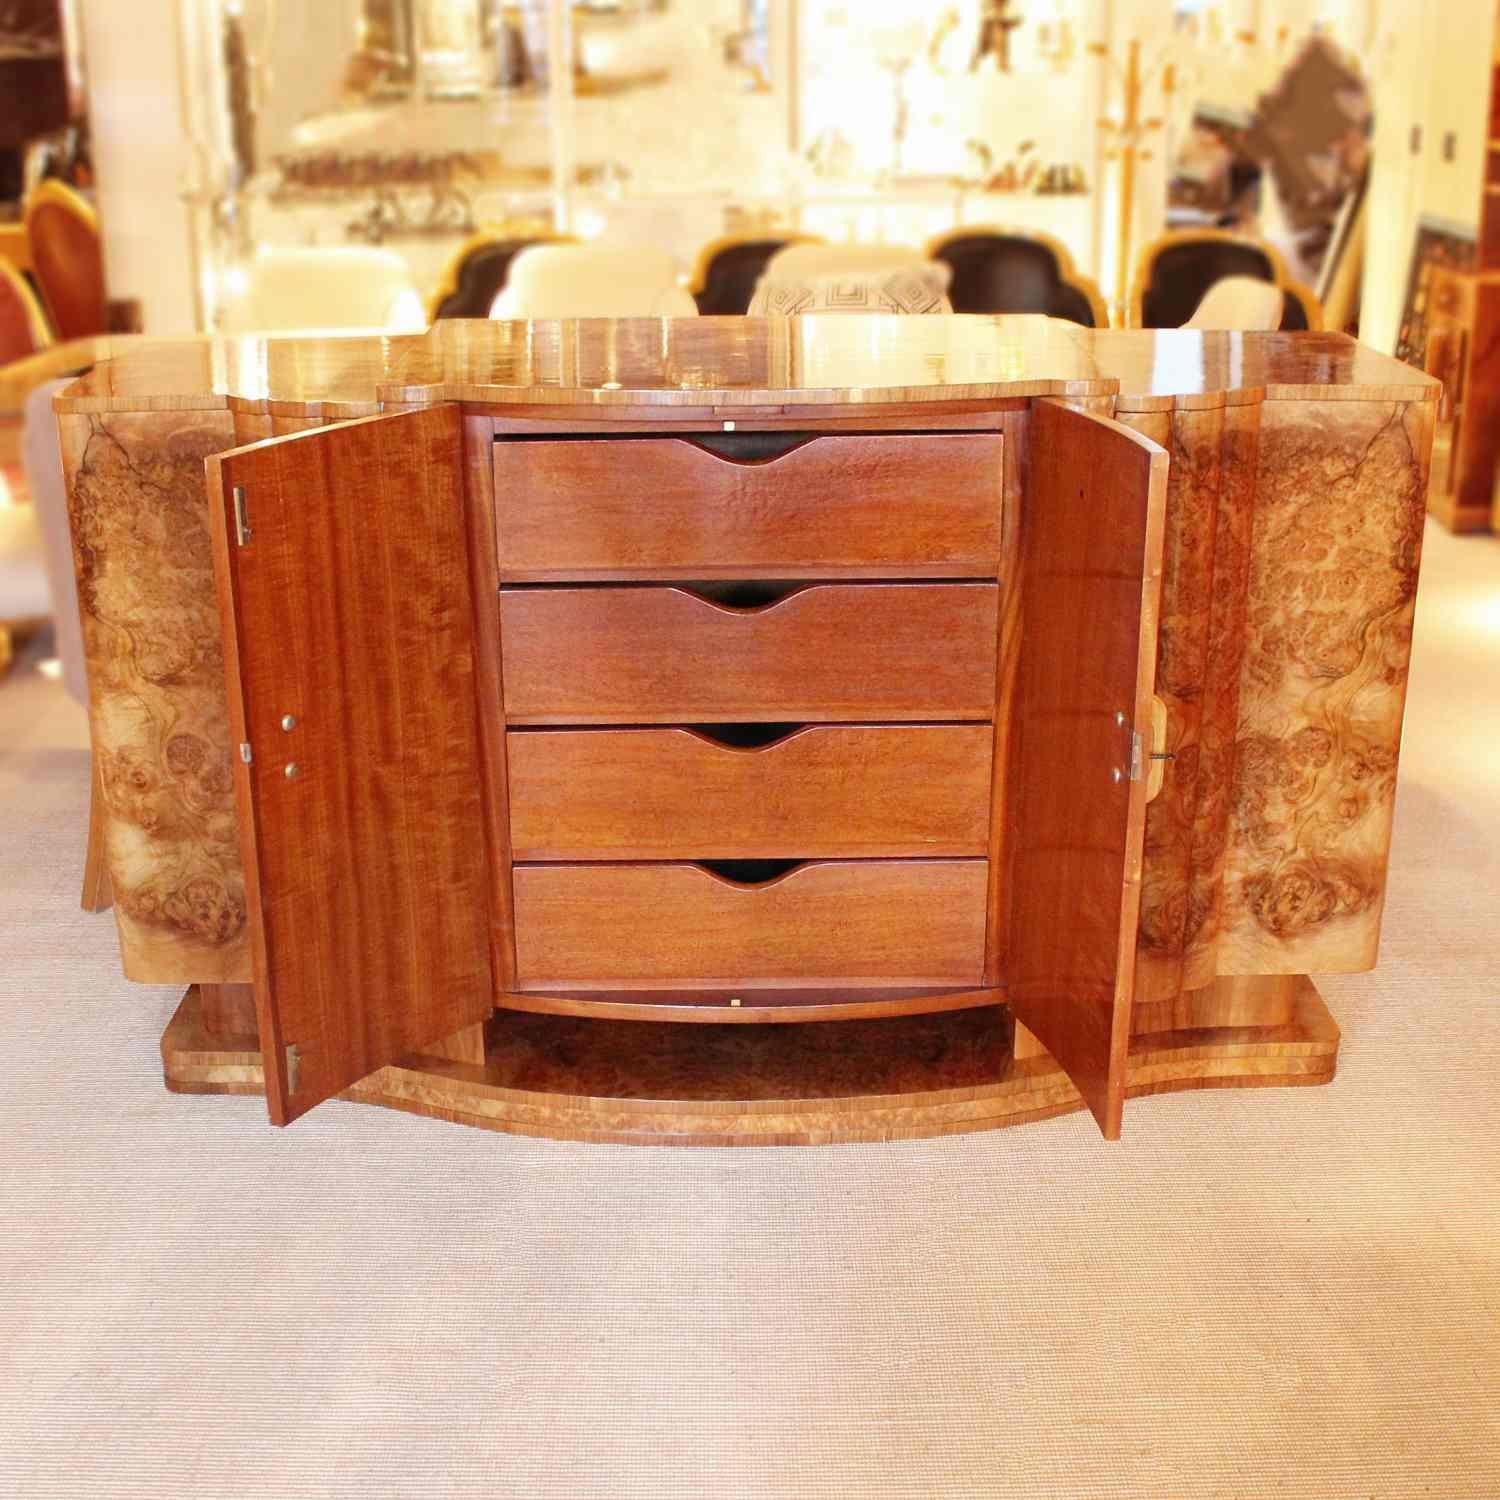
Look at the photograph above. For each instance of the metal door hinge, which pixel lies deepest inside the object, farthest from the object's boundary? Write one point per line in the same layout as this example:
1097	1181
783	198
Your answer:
293	1067
242	532
245	753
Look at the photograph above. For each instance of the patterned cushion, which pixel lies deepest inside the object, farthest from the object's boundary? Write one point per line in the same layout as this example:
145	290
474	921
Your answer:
915	289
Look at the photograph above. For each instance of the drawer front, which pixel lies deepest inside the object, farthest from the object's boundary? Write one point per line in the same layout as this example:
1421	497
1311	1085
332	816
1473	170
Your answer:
823	792
895	505
860	923
828	652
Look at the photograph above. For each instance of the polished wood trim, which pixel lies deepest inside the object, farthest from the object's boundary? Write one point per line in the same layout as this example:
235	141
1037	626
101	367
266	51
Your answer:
830	924
752	1006
825	652
484	588
734	368
921	1076
777	416
1087	644
1231	1000
97	893
1016	468
823	791
833	506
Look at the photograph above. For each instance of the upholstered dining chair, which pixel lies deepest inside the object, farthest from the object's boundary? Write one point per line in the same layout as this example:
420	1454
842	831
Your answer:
342	287
809	258
998	270
62	234
23	324
1242	304
728	268
1176	271
477	273
850	278
593	281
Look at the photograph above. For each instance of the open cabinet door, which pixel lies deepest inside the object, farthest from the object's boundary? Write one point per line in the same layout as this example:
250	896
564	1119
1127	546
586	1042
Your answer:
343	578
1088	590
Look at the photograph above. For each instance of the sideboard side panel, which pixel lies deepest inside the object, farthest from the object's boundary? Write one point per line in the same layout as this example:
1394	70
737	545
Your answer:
1337	540
157	711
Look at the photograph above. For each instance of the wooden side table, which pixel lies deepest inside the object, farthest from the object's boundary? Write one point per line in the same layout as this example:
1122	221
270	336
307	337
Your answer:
1463	351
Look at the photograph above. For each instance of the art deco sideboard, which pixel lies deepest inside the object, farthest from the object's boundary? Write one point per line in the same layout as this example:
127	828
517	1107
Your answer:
735	730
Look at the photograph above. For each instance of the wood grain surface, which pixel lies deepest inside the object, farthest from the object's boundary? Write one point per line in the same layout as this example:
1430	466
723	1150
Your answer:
856	922
350	662
738	1006
1087	643
852	505
1294	539
573	1079
822	792
607	365
629	655
1321	451
157	715
1323	669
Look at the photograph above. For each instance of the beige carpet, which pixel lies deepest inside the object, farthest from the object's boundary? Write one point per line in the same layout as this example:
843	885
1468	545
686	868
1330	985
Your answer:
1286	1293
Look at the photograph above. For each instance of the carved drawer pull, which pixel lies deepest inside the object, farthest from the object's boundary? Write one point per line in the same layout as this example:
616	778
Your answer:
1160	755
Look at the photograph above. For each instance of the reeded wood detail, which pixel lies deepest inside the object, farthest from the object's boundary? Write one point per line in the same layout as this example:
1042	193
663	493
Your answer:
824	791
825	652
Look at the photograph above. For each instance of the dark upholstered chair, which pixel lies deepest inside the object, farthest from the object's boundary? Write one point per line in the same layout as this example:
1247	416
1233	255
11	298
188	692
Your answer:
1014	271
477	273
727	270
1176	271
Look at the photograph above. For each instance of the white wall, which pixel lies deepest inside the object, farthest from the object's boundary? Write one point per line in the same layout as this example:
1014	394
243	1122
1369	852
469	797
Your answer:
1433	73
1429	66
141	155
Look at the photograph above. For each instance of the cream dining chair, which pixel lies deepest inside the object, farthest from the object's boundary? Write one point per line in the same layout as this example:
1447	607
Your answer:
1241	304
593	281
334	287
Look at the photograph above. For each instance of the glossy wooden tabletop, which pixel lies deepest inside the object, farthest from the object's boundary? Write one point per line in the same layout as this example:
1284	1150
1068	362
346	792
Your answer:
725	362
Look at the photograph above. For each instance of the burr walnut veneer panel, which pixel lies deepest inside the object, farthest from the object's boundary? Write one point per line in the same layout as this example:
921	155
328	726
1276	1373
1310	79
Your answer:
857	505
628	655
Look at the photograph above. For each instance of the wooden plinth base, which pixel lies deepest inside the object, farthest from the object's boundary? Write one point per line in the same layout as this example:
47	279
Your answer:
658	1083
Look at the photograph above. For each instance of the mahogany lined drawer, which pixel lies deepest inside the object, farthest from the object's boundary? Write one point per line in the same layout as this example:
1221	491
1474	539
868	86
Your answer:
646	655
895	505
857	923
822	791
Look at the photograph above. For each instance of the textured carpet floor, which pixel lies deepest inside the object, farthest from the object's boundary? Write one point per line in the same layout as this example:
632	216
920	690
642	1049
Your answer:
1289	1293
